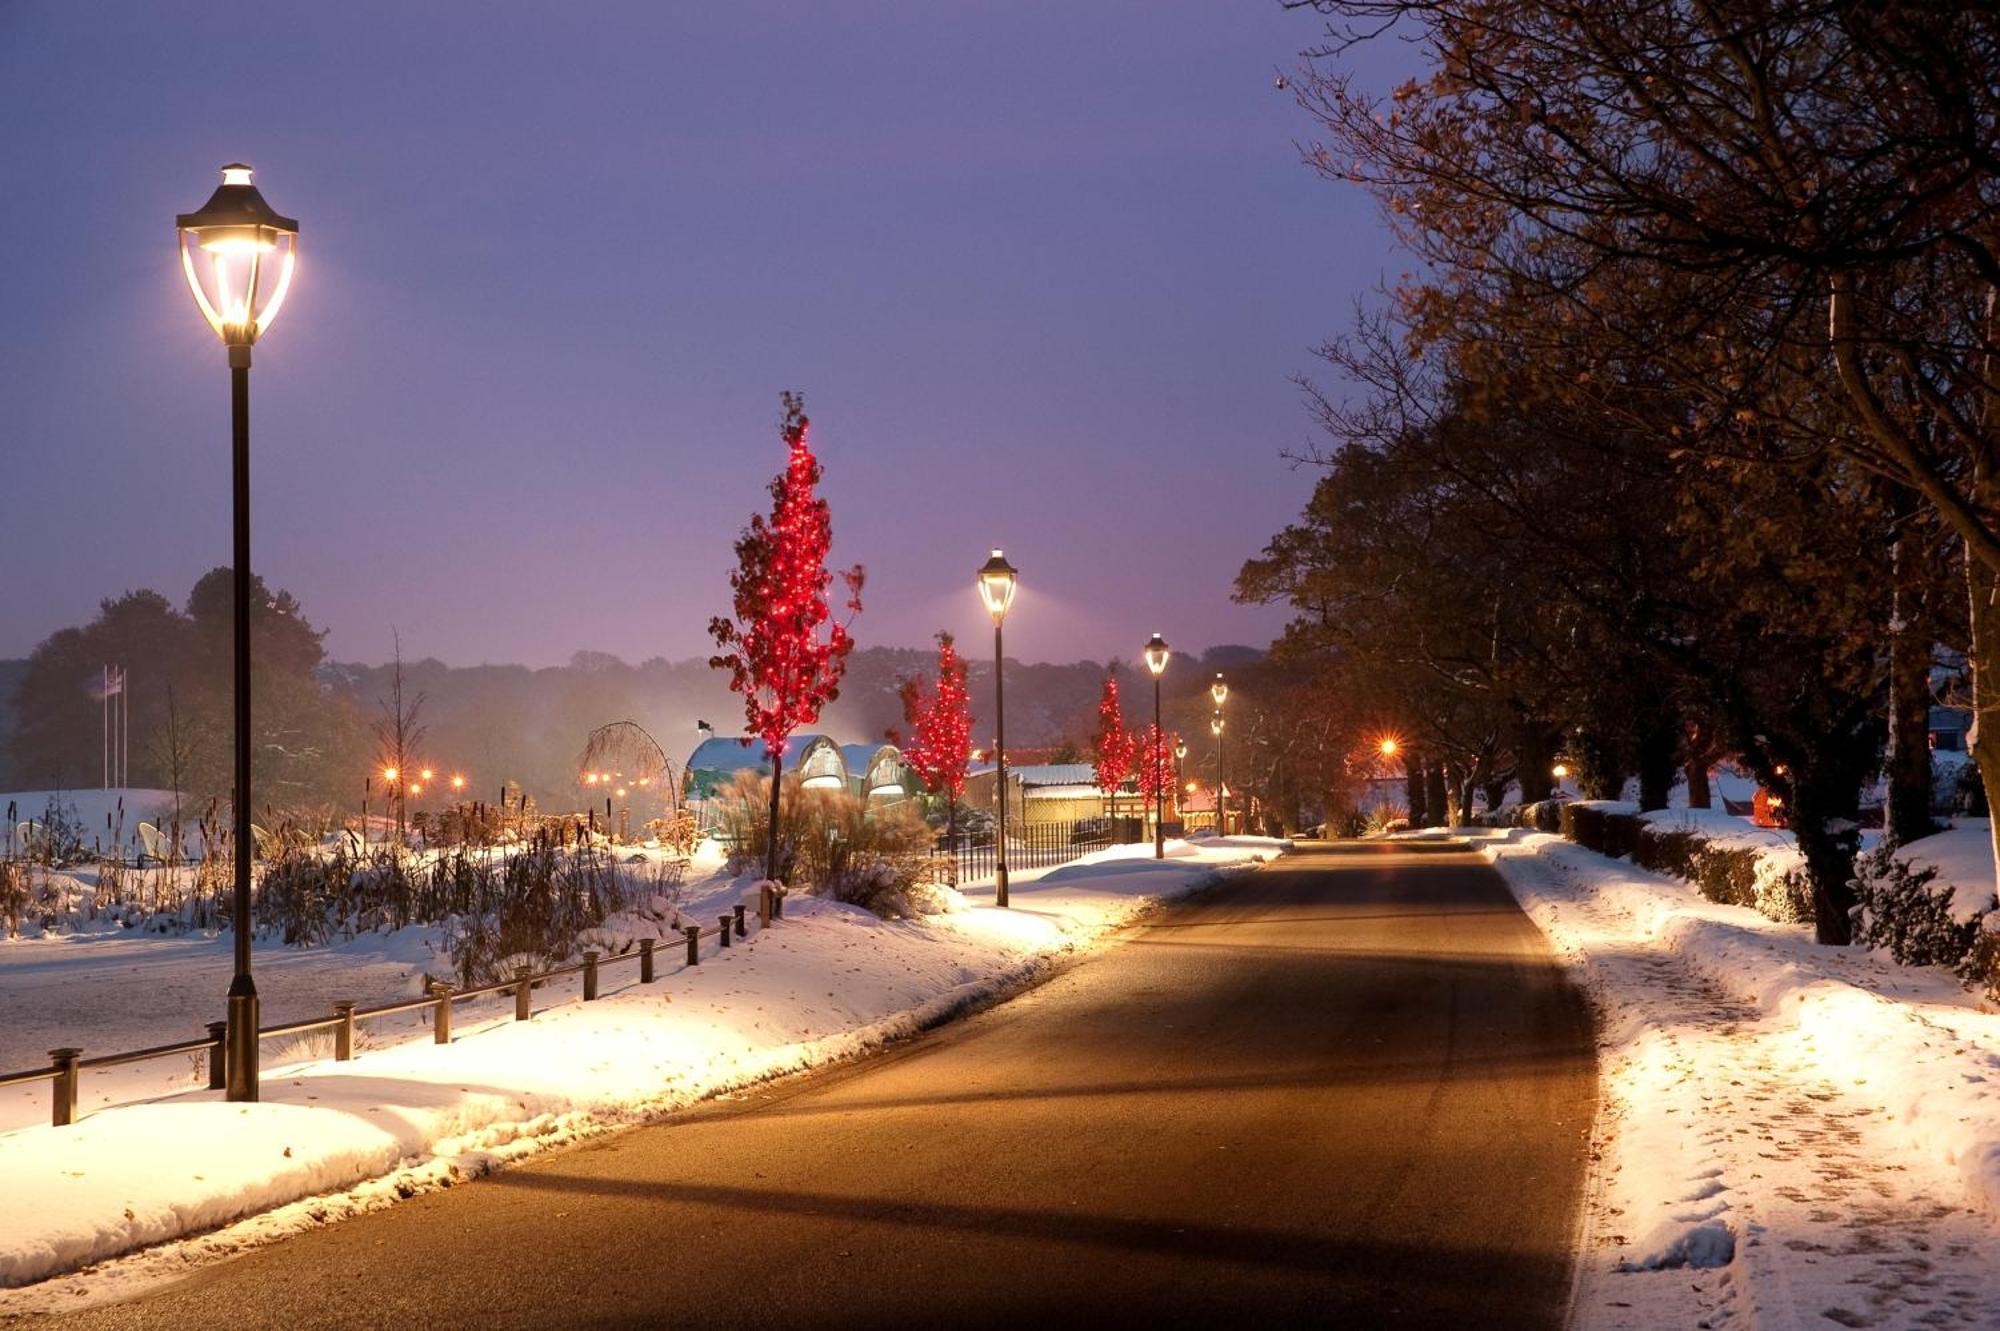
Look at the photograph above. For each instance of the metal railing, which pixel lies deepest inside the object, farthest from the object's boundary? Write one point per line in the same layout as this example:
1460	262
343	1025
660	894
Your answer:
66	1066
966	859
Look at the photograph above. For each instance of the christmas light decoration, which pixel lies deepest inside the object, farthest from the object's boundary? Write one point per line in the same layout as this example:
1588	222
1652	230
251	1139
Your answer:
782	650
1113	744
1153	749
940	721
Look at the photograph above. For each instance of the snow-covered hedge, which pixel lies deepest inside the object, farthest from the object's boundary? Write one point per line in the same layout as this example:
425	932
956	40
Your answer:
1730	874
1902	908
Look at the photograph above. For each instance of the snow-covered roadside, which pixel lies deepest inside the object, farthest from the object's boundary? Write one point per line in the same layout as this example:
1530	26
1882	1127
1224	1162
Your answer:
829	982
1790	1135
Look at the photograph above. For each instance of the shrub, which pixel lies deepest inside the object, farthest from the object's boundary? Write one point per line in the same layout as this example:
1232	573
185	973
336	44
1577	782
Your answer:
1727	875
1909	913
13	894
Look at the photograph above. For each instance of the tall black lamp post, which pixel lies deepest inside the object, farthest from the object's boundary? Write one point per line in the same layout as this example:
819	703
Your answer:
229	248
997	579
1218	692
1156	661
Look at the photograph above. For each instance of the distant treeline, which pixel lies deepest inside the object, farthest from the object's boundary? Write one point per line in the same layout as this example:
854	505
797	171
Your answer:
317	719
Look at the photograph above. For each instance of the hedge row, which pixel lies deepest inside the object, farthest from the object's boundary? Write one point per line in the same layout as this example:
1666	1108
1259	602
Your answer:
1729	875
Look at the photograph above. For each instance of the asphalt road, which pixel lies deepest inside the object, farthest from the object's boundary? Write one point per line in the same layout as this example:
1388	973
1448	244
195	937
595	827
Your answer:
1347	1089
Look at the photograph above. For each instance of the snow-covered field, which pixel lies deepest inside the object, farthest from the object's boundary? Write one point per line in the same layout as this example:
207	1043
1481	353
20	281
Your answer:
1790	1135
329	1138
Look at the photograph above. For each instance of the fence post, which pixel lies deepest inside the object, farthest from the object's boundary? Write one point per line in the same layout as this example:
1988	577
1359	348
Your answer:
694	945
645	961
590	976
763	905
740	931
343	1034
218	1076
443	1027
63	1107
524	988
723	932
778	903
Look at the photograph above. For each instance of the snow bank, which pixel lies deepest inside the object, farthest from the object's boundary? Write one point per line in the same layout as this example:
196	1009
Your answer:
827	982
1962	855
1818	1123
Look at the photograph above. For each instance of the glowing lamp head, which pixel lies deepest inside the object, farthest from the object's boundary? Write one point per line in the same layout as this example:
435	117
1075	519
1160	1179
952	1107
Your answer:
458	783
1215	724
238	256
997	579
1157	653
416	790
1192	787
1180	748
620	792
1390	747
390	774
425	774
1559	771
1219	690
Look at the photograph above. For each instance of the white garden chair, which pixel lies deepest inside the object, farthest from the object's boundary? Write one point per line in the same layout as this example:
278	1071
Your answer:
27	837
152	846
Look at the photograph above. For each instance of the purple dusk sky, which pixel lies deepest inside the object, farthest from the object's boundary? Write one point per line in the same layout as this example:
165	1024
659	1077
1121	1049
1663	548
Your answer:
1042	269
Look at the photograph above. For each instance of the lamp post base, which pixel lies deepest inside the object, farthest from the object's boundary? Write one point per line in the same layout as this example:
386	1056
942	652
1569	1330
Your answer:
1000	888
240	1055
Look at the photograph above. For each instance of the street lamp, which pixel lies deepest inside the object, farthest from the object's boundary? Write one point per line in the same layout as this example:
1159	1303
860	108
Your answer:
1218	693
236	237
1156	661
997	581
1221	790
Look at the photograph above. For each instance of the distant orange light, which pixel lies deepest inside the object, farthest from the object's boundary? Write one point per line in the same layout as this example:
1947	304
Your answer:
1389	747
416	790
425	774
390	774
458	783
1559	771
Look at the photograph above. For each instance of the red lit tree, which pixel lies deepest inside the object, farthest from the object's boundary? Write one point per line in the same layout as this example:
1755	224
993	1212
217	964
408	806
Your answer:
782	650
1153	751
1113	744
940	721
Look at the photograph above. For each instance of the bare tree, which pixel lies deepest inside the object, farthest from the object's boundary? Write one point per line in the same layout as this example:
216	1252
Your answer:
398	737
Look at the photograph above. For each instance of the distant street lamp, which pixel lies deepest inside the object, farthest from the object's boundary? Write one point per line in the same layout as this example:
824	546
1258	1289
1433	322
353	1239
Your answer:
1218	693
1221	791
1156	661
236	236
997	580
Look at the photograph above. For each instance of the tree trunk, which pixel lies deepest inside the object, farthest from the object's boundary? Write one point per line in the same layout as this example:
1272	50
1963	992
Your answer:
1413	791
1659	743
1699	757
1437	800
1908	758
1534	760
1983	585
1822	812
771	864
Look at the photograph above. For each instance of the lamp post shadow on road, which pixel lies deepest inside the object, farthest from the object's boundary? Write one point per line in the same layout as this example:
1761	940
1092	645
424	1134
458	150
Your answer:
1157	654
237	237
997	581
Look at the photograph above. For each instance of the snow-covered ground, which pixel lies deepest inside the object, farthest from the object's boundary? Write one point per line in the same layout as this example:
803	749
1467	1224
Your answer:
1790	1135
329	1138
110	818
